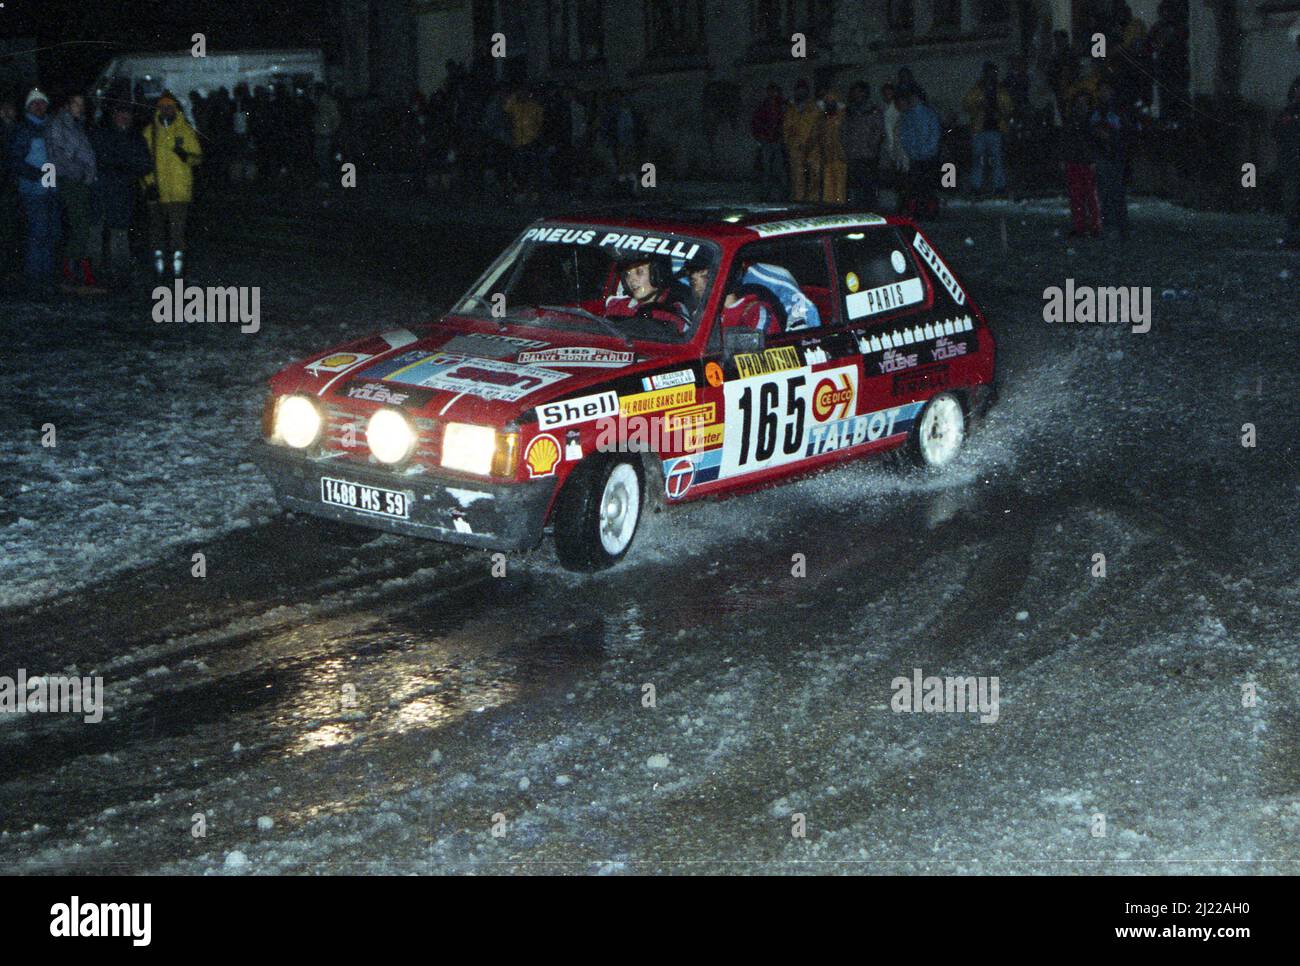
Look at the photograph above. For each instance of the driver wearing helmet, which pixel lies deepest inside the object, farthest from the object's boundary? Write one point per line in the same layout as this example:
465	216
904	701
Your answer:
648	289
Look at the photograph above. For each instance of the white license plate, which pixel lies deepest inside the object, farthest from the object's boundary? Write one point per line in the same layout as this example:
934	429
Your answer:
365	499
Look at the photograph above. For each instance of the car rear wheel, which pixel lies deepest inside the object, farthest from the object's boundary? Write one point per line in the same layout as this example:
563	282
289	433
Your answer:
939	433
597	513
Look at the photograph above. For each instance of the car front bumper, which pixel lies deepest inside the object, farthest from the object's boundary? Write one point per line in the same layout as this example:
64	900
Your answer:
493	516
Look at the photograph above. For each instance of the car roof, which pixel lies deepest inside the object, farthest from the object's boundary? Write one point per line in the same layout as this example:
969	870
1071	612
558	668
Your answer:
716	221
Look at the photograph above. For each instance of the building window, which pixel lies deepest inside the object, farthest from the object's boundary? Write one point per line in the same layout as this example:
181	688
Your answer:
775	21
577	31
899	16
947	15
674	28
989	13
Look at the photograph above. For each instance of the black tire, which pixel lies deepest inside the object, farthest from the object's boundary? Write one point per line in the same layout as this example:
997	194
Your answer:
577	516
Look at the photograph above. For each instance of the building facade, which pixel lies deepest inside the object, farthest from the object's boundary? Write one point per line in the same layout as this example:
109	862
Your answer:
695	68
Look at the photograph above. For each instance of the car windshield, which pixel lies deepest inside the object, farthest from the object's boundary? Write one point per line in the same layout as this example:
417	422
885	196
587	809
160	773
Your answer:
635	285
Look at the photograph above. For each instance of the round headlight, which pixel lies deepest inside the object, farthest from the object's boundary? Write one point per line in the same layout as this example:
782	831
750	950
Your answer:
390	436
297	421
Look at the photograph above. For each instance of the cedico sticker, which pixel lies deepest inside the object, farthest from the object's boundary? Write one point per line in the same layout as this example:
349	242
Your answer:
602	405
885	298
898	260
640	404
835	395
542	456
752	364
666	380
577	356
851	281
940	270
338	362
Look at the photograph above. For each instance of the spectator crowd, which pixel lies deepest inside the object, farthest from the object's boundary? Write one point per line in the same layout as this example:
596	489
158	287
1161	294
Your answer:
75	177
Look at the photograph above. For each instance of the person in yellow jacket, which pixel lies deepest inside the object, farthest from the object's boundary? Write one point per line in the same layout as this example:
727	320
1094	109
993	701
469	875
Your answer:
830	150
797	130
526	116
175	151
990	107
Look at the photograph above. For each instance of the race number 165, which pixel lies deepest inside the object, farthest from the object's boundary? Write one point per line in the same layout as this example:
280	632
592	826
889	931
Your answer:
772	416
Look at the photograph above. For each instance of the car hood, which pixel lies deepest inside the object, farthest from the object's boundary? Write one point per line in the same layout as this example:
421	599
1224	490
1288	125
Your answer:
470	370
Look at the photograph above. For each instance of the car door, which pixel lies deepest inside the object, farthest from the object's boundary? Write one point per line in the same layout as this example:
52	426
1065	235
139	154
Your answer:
806	375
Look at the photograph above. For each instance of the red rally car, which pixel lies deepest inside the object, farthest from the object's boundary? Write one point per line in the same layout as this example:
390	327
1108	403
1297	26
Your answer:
605	364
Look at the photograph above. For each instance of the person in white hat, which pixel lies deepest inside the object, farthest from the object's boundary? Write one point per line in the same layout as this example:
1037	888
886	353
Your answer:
37	190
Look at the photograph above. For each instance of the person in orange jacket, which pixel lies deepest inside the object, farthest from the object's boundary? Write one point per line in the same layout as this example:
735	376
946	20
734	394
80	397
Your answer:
990	107
797	129
830	150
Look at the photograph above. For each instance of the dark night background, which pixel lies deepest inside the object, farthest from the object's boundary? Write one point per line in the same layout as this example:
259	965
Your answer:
1157	694
76	39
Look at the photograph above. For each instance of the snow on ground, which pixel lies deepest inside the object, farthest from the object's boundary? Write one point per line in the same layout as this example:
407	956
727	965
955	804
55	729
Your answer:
1121	696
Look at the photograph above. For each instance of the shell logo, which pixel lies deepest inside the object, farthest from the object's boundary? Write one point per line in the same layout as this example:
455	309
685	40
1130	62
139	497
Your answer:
827	398
337	360
542	456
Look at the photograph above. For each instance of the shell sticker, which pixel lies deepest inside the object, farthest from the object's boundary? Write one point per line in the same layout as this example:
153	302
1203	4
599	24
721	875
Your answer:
542	456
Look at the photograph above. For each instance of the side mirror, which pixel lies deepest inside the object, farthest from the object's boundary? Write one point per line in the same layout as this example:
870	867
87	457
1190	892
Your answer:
736	340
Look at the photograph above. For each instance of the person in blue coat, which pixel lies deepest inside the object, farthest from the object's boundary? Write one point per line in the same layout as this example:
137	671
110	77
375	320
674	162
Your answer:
37	192
919	133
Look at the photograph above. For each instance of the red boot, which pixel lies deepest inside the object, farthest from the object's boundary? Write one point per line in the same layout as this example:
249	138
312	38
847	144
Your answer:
87	276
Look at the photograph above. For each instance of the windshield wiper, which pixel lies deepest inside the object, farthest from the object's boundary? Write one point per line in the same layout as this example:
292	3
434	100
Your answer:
585	314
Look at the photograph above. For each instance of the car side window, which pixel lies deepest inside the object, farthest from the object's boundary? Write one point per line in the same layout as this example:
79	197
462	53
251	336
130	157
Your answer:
878	276
793	275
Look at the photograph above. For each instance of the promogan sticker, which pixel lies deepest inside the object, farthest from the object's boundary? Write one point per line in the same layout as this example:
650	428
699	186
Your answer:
751	364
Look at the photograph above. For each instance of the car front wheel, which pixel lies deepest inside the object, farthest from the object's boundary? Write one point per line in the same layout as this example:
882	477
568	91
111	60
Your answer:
597	514
939	433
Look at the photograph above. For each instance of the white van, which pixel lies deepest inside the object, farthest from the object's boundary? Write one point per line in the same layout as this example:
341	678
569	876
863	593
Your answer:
180	72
